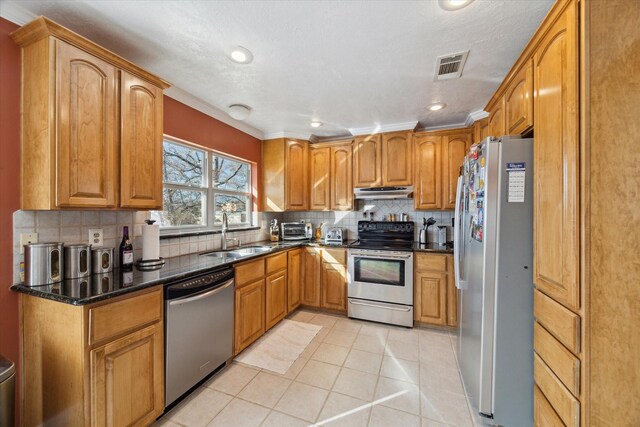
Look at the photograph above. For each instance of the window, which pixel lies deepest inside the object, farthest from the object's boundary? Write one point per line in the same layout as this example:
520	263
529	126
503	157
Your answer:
200	185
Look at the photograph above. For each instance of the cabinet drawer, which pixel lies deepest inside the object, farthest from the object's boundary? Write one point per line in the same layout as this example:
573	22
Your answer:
249	272
431	262
543	413
334	256
114	319
276	262
561	361
566	406
562	323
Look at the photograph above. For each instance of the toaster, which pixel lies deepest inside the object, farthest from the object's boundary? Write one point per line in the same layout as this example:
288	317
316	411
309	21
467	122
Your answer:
334	236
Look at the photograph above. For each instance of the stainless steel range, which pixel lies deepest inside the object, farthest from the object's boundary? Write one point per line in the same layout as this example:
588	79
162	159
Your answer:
380	264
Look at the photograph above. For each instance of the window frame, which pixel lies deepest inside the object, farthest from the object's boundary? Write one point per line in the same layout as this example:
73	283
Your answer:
209	190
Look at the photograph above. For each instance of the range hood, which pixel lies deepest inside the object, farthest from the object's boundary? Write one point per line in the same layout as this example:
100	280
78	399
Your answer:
384	193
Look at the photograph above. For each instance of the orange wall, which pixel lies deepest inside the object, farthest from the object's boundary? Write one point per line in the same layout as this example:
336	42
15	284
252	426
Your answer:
9	193
180	121
184	122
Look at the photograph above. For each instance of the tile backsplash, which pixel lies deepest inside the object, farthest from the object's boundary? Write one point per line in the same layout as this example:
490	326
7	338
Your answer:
381	210
73	227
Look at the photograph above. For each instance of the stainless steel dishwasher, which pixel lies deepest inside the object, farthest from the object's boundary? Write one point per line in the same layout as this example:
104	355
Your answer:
198	329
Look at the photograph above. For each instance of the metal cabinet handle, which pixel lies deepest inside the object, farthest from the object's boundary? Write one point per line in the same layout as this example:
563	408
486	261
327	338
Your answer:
380	306
202	295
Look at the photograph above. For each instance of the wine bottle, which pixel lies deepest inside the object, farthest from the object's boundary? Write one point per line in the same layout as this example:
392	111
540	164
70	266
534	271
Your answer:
126	251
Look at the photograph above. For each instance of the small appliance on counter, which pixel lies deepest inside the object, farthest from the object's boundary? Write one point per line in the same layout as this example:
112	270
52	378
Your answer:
274	231
334	236
294	231
308	230
442	235
77	260
43	263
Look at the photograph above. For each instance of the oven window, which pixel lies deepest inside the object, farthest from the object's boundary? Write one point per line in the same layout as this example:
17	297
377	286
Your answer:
379	271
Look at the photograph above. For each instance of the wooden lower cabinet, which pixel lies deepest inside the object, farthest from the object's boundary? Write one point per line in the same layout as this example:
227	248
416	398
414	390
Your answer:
249	314
435	295
98	364
294	279
310	285
334	286
275	298
125	377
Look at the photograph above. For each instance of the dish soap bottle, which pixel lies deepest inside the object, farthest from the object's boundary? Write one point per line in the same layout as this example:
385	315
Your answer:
318	235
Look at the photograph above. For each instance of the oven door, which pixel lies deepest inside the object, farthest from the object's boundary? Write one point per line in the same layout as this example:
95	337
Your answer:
384	276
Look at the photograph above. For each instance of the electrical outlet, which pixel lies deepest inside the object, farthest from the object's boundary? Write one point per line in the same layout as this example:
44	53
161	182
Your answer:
26	238
96	237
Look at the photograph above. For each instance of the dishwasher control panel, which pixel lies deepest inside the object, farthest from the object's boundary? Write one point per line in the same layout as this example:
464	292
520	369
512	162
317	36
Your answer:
188	286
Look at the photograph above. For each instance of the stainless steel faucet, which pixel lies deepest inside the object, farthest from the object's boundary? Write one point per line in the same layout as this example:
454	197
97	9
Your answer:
225	228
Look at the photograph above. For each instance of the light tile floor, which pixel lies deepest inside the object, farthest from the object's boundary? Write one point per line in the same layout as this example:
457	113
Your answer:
352	374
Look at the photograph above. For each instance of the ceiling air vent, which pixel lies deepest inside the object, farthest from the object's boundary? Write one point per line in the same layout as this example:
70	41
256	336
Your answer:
450	66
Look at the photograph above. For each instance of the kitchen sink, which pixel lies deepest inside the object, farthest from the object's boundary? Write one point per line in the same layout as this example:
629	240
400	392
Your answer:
222	255
252	250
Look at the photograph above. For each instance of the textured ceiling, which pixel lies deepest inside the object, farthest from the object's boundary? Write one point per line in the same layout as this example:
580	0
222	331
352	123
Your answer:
349	64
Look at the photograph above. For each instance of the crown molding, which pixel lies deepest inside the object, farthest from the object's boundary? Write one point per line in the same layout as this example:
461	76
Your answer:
11	11
442	127
294	135
370	130
211	111
474	116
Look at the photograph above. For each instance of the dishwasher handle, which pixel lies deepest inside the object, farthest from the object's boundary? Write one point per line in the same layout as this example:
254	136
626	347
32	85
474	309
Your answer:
201	295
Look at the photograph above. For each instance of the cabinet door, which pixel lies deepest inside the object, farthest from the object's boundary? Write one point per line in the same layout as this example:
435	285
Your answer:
497	119
127	379
455	147
320	182
334	286
294	278
480	130
452	294
86	120
141	144
397	158
427	192
249	316
430	298
555	173
341	178
311	277
518	100
367	161
296	175
276	298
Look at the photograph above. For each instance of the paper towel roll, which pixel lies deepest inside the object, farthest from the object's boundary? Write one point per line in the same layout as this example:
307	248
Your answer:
150	242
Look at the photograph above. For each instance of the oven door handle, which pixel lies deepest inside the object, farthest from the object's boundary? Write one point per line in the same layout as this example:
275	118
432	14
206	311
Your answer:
200	296
382	256
386	307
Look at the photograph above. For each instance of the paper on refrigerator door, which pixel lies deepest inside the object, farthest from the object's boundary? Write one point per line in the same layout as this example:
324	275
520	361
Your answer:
515	182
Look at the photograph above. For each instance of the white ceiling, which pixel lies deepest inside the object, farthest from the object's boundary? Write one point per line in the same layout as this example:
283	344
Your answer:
349	64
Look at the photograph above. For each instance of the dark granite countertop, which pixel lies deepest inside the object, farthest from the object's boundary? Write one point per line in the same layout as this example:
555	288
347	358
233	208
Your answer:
99	287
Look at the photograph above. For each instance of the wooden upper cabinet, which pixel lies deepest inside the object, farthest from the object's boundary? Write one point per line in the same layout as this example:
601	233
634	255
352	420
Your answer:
455	147
141	147
556	162
321	178
518	100
480	130
367	161
86	116
397	158
296	175
497	119
72	138
427	193
341	177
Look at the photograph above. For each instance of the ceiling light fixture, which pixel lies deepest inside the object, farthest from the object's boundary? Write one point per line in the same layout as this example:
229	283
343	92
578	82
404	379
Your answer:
451	5
316	124
239	111
240	54
437	106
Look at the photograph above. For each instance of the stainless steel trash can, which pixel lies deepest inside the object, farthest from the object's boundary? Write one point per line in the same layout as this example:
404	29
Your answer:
7	392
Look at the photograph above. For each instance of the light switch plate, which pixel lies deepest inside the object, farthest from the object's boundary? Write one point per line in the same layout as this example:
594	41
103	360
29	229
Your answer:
26	238
96	237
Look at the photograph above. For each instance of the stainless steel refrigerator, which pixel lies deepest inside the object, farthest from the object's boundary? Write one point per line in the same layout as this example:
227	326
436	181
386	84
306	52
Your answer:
493	260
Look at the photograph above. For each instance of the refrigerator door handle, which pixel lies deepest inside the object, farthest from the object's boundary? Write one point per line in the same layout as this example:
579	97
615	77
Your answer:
457	241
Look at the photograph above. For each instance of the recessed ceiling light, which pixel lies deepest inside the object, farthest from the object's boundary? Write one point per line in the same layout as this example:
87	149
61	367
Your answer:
240	54
316	124
450	5
437	106
239	111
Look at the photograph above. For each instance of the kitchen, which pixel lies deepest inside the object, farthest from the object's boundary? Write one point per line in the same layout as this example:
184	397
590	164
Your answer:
559	87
